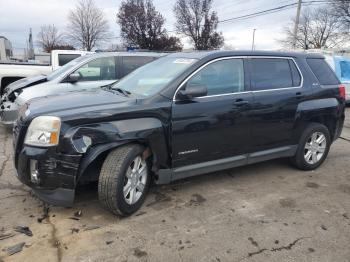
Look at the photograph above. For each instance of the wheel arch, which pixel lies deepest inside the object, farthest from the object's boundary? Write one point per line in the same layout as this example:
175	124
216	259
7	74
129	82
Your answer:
111	136
323	111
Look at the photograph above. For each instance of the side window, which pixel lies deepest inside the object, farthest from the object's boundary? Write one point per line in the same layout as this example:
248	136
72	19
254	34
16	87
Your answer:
221	77
66	58
322	71
296	77
130	63
99	69
272	73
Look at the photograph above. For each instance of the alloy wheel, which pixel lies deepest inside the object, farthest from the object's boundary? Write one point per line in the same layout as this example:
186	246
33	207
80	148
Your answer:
315	148
135	180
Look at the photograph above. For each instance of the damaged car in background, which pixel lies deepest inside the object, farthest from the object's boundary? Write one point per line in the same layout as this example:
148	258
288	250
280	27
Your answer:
84	73
13	71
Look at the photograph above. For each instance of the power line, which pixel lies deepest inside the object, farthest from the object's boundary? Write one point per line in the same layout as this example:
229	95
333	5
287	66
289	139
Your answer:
272	10
227	10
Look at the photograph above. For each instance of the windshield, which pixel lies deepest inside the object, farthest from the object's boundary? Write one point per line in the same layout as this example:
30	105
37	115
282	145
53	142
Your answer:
153	77
65	68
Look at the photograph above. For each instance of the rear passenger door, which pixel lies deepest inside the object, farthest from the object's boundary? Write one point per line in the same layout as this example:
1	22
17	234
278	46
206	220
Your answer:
277	90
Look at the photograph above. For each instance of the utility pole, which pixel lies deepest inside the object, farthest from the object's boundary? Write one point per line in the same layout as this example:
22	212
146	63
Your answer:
30	45
296	25
253	43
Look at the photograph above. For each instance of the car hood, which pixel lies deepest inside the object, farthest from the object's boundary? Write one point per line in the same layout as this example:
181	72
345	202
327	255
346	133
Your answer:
85	104
25	82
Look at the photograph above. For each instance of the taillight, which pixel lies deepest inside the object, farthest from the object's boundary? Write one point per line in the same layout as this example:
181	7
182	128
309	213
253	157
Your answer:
342	91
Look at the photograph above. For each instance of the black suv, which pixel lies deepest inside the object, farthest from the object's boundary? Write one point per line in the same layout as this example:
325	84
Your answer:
179	116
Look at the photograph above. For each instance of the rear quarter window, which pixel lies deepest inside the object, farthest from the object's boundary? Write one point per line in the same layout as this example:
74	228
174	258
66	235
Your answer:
322	71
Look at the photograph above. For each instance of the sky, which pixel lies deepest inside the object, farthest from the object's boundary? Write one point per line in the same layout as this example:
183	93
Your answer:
17	16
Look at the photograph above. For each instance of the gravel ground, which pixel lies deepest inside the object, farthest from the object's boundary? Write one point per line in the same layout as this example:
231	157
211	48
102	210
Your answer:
263	212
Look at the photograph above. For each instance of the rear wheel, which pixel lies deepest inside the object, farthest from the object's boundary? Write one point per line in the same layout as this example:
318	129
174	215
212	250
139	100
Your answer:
313	147
124	180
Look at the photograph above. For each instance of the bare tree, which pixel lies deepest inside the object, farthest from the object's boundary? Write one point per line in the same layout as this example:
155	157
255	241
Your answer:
87	26
318	28
342	12
49	37
195	20
143	26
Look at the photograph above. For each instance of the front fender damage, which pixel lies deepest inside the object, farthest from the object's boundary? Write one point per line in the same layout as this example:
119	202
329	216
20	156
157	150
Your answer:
93	140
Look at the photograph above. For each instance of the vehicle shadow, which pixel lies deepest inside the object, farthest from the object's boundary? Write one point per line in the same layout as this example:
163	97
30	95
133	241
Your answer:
87	195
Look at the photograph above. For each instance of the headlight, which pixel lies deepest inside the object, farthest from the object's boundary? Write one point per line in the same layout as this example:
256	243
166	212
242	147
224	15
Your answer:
43	131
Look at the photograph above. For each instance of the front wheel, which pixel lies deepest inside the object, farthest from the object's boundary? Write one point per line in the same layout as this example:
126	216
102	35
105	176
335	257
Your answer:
124	180
313	147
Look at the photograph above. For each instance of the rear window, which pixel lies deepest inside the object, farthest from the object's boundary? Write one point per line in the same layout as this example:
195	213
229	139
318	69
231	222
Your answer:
66	58
322	71
273	73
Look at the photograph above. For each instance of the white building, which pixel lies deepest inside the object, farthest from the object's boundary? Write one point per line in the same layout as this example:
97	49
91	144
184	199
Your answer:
5	49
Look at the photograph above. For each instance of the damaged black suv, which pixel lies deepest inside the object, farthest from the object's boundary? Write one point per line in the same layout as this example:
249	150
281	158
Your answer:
182	115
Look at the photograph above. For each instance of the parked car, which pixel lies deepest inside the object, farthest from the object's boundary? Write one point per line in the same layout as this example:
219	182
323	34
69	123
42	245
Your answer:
13	71
341	66
83	73
254	106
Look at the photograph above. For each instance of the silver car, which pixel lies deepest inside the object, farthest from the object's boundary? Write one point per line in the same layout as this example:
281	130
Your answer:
84	73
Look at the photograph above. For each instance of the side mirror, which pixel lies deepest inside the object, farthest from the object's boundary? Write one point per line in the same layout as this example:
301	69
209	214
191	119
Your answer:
73	78
192	91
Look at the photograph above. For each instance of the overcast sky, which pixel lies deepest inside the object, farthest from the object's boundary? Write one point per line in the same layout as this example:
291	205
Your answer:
17	16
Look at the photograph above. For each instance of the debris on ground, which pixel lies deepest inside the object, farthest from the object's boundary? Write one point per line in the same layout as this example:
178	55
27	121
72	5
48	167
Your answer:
79	213
45	215
5	236
75	230
92	227
139	253
74	218
15	249
24	230
323	227
109	242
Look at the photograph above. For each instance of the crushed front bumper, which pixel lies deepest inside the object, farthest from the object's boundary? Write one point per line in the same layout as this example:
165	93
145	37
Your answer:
56	174
8	113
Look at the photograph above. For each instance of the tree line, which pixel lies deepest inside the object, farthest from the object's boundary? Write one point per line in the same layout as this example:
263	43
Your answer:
142	26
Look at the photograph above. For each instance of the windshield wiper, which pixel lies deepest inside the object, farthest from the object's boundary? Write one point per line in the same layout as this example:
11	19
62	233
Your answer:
123	91
109	85
118	89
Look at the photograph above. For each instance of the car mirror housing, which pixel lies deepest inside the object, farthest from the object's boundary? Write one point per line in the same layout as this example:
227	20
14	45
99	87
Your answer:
192	91
73	78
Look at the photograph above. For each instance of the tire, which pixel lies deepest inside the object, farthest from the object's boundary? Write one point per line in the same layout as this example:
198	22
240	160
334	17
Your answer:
302	158
115	176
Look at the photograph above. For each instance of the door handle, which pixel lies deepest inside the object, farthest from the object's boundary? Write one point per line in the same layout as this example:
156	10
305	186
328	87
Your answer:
241	102
298	95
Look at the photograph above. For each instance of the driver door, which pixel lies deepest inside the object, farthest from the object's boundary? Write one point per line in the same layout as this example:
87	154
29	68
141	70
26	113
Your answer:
217	125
